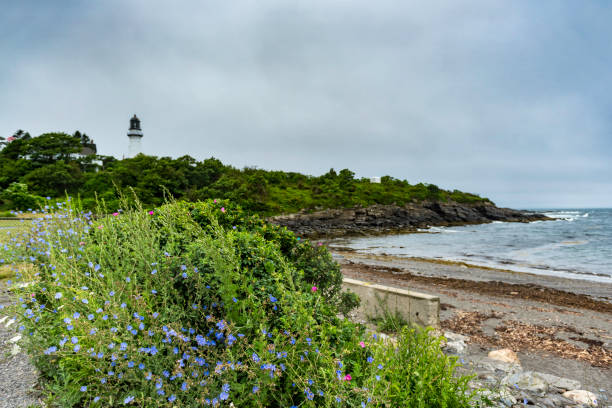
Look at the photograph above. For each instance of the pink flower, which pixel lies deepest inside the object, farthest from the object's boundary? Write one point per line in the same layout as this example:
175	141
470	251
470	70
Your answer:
215	201
320	243
348	377
100	227
151	212
314	289
362	344
115	214
222	209
81	243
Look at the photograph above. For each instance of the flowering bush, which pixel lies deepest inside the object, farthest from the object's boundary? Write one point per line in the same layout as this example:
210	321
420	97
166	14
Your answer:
196	304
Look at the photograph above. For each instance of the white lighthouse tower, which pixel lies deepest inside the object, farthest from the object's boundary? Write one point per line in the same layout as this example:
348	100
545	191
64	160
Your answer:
135	136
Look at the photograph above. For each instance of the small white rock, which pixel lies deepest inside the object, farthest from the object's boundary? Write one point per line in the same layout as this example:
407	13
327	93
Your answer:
455	347
3	319
450	336
15	350
582	397
15	339
9	323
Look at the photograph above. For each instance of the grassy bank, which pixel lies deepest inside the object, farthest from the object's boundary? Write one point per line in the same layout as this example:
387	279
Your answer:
199	304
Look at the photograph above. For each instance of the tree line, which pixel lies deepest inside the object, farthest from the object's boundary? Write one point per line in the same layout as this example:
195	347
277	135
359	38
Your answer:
55	164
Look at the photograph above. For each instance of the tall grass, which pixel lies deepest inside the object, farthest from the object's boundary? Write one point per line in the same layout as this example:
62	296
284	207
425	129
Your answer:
195	304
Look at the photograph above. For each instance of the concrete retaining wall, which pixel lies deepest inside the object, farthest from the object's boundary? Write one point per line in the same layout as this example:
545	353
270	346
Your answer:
414	307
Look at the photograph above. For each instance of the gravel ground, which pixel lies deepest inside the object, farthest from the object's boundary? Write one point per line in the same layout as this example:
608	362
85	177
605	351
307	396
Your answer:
18	377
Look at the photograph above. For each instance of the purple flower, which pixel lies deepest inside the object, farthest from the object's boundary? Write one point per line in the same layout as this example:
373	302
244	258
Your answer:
128	399
83	388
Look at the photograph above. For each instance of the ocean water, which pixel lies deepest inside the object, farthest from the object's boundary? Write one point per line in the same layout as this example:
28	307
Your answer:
577	244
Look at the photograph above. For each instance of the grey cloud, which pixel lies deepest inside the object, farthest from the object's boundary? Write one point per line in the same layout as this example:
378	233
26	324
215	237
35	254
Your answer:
495	98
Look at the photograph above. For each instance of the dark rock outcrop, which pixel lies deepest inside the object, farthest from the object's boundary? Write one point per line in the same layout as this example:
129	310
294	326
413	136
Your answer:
380	219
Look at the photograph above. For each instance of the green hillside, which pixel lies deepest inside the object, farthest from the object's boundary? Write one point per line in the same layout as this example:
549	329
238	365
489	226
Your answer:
53	164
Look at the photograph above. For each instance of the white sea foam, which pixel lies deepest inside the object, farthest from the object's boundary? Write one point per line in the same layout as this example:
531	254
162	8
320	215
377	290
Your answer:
439	230
566	215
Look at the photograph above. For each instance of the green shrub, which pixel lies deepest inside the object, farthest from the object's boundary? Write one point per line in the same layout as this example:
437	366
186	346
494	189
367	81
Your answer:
17	197
197	304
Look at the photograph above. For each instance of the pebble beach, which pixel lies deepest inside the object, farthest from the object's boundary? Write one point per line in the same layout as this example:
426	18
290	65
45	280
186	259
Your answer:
555	327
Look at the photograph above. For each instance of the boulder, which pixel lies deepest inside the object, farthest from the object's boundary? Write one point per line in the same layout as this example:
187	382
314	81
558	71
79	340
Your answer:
559	382
450	336
582	397
495	365
526	380
505	355
455	347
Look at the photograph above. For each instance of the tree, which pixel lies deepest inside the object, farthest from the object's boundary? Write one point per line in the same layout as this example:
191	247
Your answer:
51	147
17	197
55	179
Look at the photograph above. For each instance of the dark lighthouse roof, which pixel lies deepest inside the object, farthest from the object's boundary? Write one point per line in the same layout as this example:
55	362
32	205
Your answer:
135	123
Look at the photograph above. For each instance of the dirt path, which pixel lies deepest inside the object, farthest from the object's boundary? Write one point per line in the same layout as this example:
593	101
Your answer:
18	377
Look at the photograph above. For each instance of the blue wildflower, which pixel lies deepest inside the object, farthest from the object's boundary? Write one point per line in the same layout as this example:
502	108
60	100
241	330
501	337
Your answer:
225	389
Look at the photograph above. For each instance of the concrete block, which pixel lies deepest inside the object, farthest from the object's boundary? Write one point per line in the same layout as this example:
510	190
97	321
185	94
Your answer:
414	307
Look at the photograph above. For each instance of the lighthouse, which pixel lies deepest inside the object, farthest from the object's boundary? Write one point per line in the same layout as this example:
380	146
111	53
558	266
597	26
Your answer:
135	136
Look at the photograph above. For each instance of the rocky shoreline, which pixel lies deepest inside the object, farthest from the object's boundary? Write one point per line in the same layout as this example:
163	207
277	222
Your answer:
554	332
381	219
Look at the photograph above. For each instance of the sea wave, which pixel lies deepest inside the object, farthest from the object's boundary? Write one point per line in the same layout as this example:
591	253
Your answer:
566	215
438	230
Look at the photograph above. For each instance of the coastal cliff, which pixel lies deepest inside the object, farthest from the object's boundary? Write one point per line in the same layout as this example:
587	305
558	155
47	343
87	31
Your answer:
380	219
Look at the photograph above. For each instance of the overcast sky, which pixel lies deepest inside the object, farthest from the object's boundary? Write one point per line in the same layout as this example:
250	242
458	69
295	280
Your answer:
508	99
